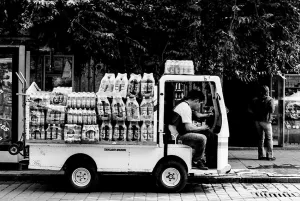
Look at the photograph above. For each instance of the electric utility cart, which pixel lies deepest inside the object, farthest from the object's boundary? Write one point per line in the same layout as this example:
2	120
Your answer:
138	150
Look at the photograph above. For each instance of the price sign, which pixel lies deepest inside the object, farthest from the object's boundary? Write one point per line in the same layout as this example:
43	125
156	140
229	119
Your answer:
3	127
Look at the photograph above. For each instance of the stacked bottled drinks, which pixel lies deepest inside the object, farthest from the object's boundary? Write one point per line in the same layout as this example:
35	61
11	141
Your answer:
122	110
181	67
47	115
37	114
56	113
125	107
81	117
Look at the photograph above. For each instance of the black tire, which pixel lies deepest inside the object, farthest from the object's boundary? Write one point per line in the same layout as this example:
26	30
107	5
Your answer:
170	176
82	177
13	149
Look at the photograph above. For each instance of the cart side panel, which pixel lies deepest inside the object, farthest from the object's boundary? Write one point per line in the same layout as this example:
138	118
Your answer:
144	159
111	158
182	151
48	157
54	156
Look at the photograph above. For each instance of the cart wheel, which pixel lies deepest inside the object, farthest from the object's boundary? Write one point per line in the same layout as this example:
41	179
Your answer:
170	176
21	145
13	149
82	177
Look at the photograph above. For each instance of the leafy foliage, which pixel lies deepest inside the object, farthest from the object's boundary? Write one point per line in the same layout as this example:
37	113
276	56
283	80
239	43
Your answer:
242	39
10	17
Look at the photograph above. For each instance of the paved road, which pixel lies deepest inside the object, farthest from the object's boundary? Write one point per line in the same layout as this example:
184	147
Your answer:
129	188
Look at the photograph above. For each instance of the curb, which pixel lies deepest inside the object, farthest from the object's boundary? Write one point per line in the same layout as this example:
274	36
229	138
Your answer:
263	178
239	179
233	148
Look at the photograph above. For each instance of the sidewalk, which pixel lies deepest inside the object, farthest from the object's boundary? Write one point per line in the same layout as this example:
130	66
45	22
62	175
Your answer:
245	169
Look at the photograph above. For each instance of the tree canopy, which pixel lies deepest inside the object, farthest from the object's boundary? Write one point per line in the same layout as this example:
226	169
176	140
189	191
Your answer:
239	39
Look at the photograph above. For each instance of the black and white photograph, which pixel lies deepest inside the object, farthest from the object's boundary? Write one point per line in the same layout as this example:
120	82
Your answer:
149	100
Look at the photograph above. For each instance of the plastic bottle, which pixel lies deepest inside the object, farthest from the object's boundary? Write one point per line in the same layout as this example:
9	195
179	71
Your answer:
53	132
134	131
32	133
38	115
100	107
33	117
150	131
150	109
107	85
83	99
78	100
74	100
42	117
42	129
94	117
114	108
75	116
79	116
121	83
62	115
88	117
147	109
118	109
147	131
69	116
93	100
49	132
144	109
134	85
69	100
106	131
129	132
147	85
107	110
53	115
88	100
116	132
121	109
167	64
171	67
37	133
144	132
103	108
58	132
177	68
124	85
97	132
132	109
122	131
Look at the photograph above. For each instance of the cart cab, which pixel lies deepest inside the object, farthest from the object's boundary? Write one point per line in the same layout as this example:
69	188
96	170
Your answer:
172	88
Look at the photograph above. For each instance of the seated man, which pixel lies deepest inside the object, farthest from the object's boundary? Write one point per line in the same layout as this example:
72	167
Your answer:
189	134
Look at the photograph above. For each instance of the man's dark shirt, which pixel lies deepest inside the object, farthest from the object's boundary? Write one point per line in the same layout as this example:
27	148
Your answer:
262	108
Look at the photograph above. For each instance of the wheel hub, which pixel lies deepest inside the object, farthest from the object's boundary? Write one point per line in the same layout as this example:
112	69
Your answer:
171	177
81	177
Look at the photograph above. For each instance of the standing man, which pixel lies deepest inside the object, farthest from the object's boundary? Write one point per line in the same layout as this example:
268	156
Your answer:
262	108
181	124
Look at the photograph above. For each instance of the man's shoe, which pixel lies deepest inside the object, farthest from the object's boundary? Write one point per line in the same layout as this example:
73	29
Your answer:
262	158
271	159
199	165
